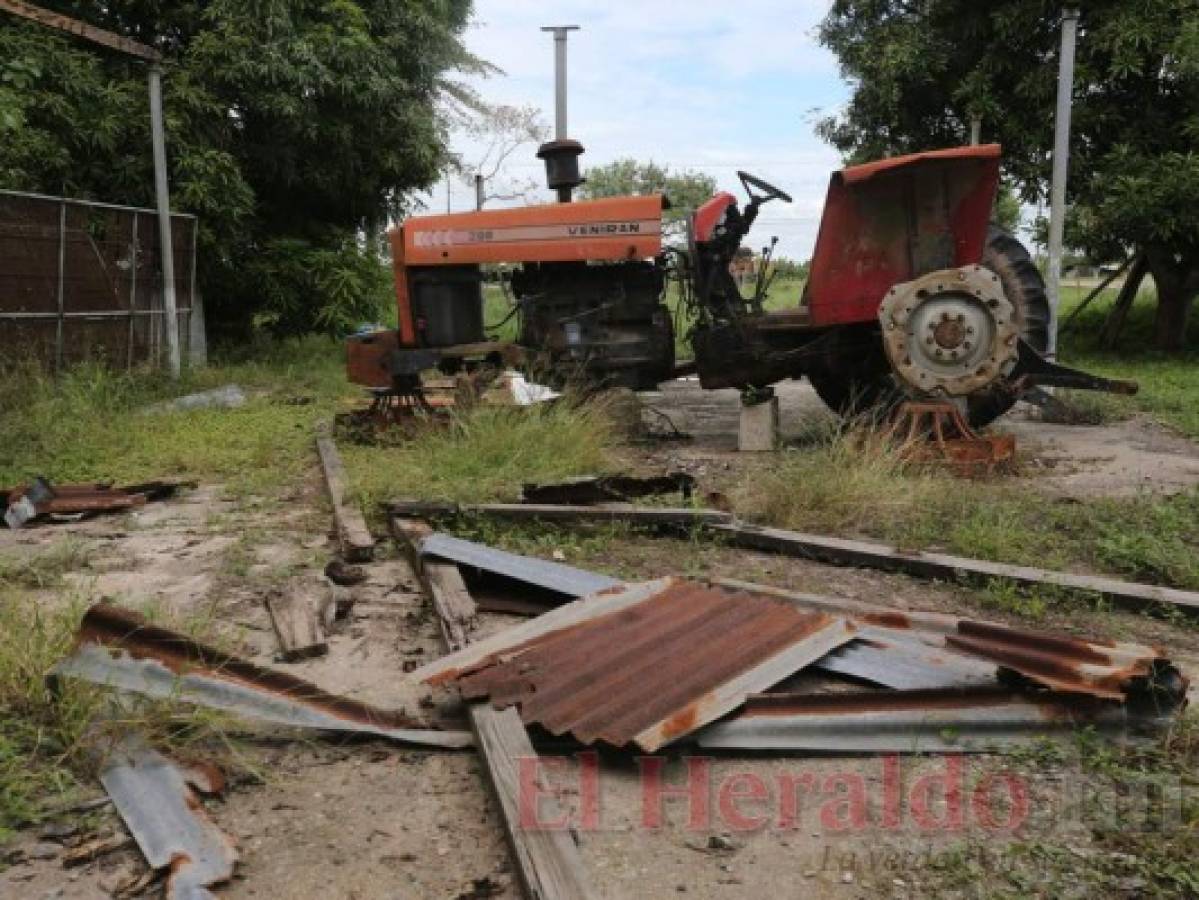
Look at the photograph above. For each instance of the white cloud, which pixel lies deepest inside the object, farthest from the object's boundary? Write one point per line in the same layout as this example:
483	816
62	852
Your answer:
697	84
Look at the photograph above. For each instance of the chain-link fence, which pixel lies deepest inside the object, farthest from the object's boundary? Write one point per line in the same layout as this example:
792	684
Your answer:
82	280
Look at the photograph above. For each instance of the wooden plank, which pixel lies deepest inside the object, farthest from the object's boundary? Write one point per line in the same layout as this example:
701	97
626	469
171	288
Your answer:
408	534
658	516
456	610
952	568
297	627
632	515
357	544
547	860
80	29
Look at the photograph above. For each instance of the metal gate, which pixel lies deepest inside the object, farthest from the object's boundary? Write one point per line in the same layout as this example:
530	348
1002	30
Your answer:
81	280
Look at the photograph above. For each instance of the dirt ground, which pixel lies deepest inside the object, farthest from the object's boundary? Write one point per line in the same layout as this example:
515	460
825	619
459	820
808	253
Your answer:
1118	459
315	818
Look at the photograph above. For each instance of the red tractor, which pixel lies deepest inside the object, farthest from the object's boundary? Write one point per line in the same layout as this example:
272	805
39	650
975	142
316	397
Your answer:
912	293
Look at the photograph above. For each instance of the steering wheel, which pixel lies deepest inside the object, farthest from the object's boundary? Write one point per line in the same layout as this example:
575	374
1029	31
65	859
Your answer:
769	191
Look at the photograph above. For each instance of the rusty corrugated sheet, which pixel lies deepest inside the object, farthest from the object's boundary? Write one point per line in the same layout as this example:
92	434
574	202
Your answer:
1099	667
118	648
687	653
924	721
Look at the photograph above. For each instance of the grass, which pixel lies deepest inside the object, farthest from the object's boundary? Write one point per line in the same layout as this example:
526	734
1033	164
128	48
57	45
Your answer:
45	568
1157	856
1167	380
41	733
90	424
843	482
487	454
54	733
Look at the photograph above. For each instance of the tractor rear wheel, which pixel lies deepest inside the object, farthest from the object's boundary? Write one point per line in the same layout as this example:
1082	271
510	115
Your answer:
854	376
1025	288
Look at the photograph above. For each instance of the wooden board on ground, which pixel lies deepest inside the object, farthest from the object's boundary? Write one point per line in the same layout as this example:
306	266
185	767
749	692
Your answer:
357	544
649	516
297	626
547	859
845	551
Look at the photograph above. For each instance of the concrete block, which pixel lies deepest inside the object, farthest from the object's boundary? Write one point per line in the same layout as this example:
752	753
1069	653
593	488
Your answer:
759	427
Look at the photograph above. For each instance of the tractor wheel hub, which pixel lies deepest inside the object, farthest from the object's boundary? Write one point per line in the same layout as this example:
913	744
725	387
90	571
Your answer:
950	333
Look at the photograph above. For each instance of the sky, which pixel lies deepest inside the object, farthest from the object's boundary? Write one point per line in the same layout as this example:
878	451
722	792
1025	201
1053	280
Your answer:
706	85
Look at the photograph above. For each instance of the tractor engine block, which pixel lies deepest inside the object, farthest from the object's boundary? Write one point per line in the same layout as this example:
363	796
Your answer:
604	323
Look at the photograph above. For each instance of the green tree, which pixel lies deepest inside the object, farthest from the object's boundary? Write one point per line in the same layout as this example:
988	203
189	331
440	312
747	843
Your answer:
293	128
1007	209
685	190
921	71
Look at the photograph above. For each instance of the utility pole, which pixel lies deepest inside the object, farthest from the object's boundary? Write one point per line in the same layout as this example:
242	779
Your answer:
478	191
976	131
1061	168
163	199
449	192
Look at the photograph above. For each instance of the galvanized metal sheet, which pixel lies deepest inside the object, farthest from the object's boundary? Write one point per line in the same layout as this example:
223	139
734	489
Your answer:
117	648
657	669
939	721
890	661
549	575
167	820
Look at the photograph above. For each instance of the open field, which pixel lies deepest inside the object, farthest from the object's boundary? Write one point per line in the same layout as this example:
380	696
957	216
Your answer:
258	522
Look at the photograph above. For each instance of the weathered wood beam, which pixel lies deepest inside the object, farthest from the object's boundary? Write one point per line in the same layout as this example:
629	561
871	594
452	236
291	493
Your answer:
357	543
547	859
924	564
88	32
297	627
652	516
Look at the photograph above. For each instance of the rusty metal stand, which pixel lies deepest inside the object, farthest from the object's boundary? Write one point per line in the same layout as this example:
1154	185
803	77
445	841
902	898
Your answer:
936	431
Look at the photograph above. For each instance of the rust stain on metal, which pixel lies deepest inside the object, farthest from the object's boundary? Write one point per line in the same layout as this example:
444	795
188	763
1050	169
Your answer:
886	620
114	626
1100	668
119	648
657	670
784	704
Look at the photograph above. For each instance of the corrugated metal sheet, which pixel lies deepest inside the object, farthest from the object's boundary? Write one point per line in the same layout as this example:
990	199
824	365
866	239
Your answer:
167	820
682	656
889	660
935	721
1098	667
118	648
539	572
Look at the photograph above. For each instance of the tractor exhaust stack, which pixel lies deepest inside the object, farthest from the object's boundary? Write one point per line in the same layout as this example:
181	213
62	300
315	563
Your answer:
561	155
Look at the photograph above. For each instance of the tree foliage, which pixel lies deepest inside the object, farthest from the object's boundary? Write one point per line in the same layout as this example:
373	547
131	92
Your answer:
293	127
921	71
686	190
